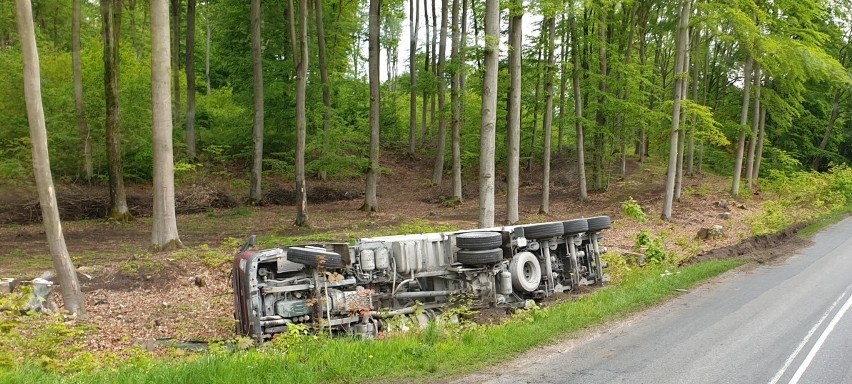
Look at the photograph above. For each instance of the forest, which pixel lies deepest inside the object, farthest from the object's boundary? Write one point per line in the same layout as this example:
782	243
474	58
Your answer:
315	90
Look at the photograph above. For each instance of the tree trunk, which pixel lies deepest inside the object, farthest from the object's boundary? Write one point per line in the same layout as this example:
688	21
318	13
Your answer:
164	235
134	38
682	46
691	147
413	28
755	128
434	64
547	121
257	132
489	114
738	163
456	103
681	141
438	172
176	61
513	137
326	85
578	110
76	63
190	79
72	297
535	105
370	201
835	113
760	138
207	50
563	81
427	60
111	14
300	62
599	155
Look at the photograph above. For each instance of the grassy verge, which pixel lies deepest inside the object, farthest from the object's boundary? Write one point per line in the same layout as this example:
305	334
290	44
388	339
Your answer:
424	355
826	220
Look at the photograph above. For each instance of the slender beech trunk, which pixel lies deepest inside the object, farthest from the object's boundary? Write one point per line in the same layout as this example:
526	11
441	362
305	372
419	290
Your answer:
681	141
176	61
578	110
456	103
207	48
299	47
190	79
111	14
438	172
599	155
427	60
370	201
535	105
738	163
72	297
563	81
690	164
835	113
489	114
755	128
547	120
134	36
323	67
77	68
257	132
760	138
413	28
682	46
164	233
513	136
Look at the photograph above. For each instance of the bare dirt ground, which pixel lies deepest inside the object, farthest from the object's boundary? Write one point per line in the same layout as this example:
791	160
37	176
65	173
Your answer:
132	295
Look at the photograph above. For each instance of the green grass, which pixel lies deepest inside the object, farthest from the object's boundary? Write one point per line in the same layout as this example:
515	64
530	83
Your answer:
825	221
438	351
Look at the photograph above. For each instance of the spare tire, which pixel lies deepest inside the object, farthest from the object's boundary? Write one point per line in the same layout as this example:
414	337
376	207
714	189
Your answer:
543	231
573	227
526	272
598	223
476	241
479	257
314	257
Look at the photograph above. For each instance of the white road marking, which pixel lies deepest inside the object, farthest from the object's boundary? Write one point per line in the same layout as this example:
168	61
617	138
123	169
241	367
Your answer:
808	337
820	341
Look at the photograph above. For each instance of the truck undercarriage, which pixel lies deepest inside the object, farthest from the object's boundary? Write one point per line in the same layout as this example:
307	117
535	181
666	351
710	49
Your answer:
353	289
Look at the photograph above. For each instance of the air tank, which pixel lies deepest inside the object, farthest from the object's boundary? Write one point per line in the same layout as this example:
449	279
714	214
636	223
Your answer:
368	260
504	283
382	258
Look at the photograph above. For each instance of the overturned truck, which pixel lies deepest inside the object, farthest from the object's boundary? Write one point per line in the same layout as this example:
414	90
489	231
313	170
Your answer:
352	289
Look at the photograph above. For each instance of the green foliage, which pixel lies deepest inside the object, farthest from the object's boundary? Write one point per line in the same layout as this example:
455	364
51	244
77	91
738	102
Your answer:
633	210
53	342
653	246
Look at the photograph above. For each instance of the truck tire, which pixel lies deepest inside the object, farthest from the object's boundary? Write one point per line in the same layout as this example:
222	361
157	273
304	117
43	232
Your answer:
314	257
526	272
476	241
598	223
573	227
543	231
479	257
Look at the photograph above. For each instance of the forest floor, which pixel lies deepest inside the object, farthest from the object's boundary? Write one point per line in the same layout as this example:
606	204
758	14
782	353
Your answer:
135	297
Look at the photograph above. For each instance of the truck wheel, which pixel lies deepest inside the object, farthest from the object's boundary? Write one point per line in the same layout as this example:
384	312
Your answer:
573	227
476	241
479	257
314	257
543	231
598	223
526	272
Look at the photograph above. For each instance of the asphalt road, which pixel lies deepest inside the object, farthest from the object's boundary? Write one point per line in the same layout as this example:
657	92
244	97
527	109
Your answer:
788	322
